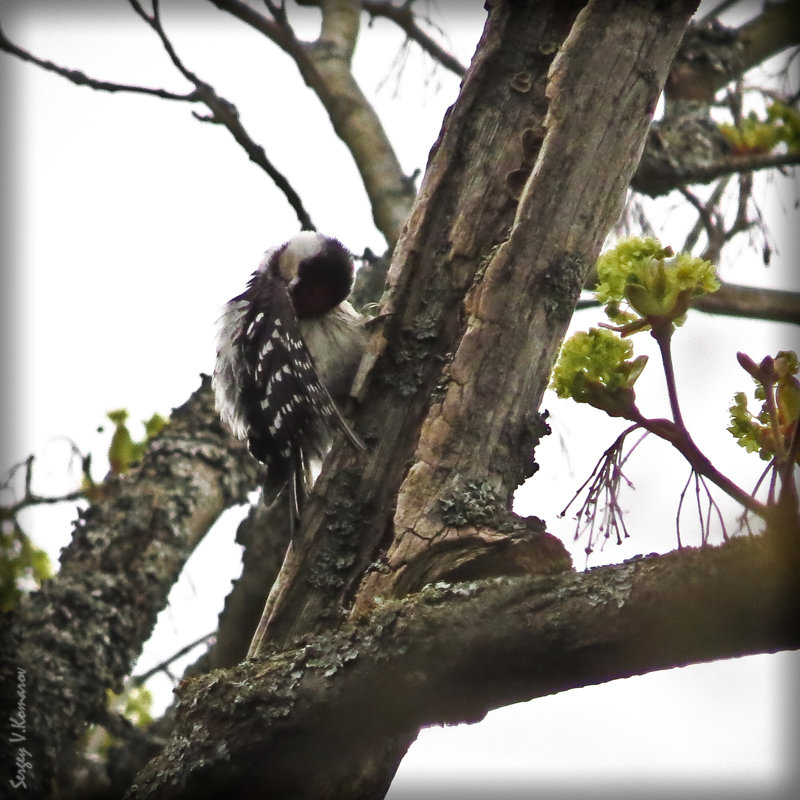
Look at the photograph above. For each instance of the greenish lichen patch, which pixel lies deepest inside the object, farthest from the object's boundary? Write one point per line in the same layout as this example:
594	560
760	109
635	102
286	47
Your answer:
470	502
441	591
561	285
615	591
415	345
339	551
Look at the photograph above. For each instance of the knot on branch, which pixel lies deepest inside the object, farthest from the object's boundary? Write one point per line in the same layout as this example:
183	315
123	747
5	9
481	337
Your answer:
509	546
708	53
680	150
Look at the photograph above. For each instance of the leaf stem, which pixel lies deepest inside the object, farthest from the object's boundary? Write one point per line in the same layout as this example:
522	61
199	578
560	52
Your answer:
663	335
677	435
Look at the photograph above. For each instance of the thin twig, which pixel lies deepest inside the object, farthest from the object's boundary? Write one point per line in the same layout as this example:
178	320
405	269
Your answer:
711	219
704	218
154	22
138	680
81	79
716	11
680	507
602	492
222	111
30	498
278	11
680	439
404	17
225	113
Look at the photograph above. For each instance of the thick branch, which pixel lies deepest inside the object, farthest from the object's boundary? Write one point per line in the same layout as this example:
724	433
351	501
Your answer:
658	175
775	29
752	303
81	633
464	210
291	725
687	147
711	55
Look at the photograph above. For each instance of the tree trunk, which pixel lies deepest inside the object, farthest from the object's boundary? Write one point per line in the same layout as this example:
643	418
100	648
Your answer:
527	177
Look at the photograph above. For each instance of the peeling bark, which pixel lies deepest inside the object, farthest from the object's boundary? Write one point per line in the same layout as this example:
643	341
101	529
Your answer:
518	309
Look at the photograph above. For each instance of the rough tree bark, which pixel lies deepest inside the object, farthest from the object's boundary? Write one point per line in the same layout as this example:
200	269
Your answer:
455	651
115	575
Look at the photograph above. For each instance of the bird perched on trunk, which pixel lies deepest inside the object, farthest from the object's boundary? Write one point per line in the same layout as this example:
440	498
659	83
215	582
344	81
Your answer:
287	351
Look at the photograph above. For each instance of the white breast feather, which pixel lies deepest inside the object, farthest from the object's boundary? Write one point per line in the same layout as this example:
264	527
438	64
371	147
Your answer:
227	390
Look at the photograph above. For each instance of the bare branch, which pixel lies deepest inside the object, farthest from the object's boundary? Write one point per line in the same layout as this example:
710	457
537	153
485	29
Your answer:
702	219
31	499
163	666
752	302
223	112
81	79
90	490
278	11
709	218
154	22
776	28
733	300
712	55
712	219
404	17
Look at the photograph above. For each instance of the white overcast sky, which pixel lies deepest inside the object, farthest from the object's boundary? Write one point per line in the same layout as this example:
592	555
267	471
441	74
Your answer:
127	224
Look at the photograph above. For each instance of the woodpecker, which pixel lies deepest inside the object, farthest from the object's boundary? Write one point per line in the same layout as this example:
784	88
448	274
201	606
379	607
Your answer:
287	351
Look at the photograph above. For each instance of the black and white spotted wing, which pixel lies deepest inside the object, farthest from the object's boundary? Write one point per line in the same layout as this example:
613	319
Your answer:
287	409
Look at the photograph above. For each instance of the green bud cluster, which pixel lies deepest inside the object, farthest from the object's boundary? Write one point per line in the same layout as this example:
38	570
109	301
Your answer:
644	285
